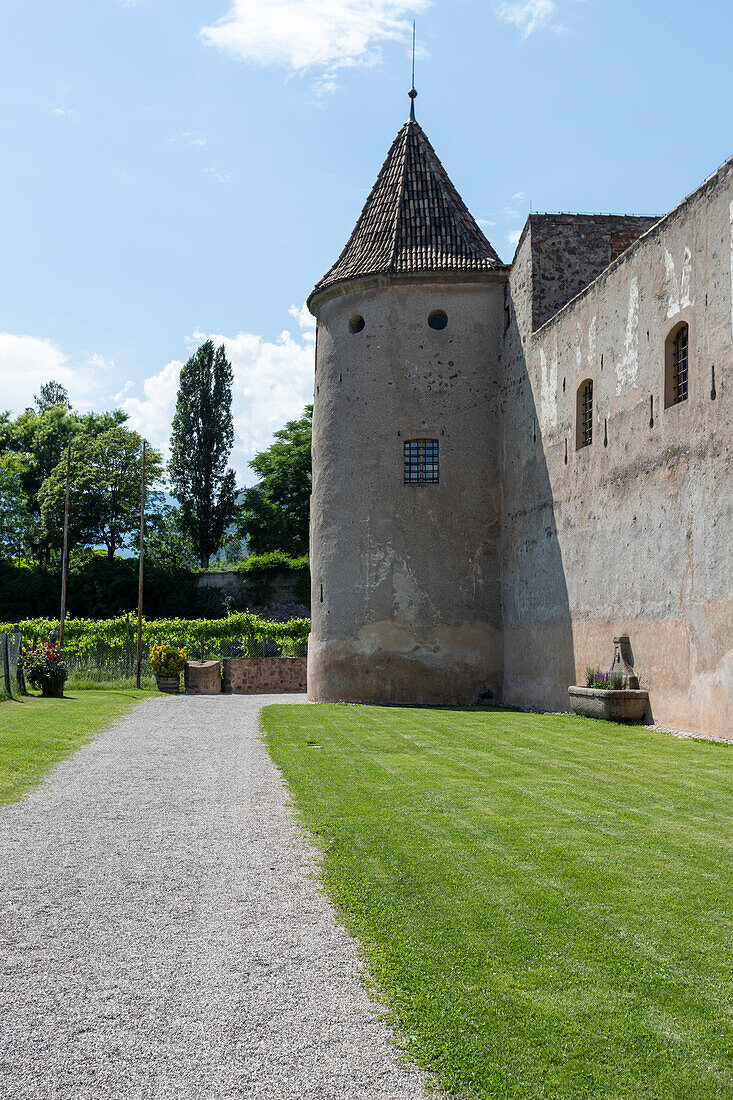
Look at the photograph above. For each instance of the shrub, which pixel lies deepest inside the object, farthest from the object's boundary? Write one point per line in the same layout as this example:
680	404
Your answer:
44	668
276	561
167	660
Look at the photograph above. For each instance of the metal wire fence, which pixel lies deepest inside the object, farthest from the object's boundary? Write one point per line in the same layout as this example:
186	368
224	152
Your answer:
117	663
11	672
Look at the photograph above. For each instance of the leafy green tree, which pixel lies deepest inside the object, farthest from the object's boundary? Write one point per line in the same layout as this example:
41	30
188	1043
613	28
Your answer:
40	437
275	513
166	542
16	524
52	394
106	475
203	434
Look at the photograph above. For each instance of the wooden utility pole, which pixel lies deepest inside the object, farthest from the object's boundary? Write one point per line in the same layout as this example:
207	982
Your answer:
140	580
65	553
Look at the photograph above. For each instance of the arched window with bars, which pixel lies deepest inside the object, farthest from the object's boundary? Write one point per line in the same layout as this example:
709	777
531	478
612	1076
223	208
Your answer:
584	415
676	365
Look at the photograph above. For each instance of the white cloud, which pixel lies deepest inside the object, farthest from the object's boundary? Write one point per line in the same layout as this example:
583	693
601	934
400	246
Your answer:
27	362
221	177
191	139
306	321
273	381
152	414
301	35
513	237
531	15
100	363
513	211
485	223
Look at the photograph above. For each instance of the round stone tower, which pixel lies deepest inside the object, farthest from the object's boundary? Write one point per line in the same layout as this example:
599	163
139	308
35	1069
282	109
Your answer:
405	509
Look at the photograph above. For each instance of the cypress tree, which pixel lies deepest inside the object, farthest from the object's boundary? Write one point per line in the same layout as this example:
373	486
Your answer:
202	438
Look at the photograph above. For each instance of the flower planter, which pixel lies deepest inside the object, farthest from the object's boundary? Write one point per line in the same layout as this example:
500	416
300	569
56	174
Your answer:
169	684
612	706
53	691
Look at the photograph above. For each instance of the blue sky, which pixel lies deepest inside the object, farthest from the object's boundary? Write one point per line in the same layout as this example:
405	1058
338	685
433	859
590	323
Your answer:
174	169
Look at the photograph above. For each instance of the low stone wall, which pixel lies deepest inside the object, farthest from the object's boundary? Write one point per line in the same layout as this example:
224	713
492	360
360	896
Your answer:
264	675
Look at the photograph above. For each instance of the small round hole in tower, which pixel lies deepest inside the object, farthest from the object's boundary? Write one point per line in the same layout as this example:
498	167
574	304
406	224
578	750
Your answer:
356	324
438	319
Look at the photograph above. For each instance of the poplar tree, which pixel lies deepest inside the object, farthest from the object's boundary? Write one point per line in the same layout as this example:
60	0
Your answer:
202	439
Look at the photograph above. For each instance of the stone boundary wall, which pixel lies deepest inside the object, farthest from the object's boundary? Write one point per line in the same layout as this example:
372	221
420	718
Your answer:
282	604
264	675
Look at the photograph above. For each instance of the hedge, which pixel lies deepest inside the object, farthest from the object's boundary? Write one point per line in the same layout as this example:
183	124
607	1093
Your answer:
277	561
97	588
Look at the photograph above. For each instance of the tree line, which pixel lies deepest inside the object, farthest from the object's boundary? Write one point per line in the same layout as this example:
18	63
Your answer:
193	509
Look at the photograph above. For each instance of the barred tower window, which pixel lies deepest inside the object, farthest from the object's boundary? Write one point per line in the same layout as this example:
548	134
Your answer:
584	415
676	365
421	462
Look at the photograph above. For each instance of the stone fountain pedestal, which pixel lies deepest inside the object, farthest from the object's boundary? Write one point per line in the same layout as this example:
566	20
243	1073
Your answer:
629	704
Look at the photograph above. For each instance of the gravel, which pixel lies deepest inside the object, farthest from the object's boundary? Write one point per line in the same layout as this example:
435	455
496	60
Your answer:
162	934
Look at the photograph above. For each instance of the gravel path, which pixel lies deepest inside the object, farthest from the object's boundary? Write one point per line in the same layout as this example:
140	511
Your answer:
161	934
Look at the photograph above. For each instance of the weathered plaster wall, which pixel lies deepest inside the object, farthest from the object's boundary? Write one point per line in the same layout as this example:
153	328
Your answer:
633	534
406	597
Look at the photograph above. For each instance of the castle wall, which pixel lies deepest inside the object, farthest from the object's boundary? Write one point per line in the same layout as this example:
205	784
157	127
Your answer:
570	250
633	534
406	597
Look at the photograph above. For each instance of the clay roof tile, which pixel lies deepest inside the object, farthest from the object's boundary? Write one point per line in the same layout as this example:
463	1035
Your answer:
414	220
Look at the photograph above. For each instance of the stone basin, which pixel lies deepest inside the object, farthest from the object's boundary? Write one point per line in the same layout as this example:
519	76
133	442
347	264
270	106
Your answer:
626	705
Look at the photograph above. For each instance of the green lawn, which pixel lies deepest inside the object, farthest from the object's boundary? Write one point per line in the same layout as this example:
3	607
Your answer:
36	733
546	903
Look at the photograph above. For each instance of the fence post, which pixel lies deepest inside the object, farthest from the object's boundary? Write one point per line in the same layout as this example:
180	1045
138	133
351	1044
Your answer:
6	665
21	675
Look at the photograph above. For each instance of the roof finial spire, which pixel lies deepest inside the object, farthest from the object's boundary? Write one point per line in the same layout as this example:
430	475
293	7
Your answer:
413	93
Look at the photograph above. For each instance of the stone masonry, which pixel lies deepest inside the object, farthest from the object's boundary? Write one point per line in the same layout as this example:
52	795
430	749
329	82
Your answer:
264	675
553	525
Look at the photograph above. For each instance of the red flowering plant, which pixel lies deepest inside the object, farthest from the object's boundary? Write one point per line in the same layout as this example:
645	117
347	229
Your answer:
44	668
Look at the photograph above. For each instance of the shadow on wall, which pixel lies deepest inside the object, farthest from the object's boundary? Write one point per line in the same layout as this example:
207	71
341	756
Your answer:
539	654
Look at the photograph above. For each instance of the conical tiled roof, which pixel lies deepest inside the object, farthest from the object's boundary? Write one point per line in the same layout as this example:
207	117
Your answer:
413	221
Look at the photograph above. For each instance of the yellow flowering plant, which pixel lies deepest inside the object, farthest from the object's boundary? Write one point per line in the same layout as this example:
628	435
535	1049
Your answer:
167	660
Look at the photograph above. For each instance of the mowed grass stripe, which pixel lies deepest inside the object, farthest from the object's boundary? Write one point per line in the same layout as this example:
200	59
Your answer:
545	902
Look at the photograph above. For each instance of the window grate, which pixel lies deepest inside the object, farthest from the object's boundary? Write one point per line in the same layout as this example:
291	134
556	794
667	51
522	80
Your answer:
421	462
679	364
587	415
